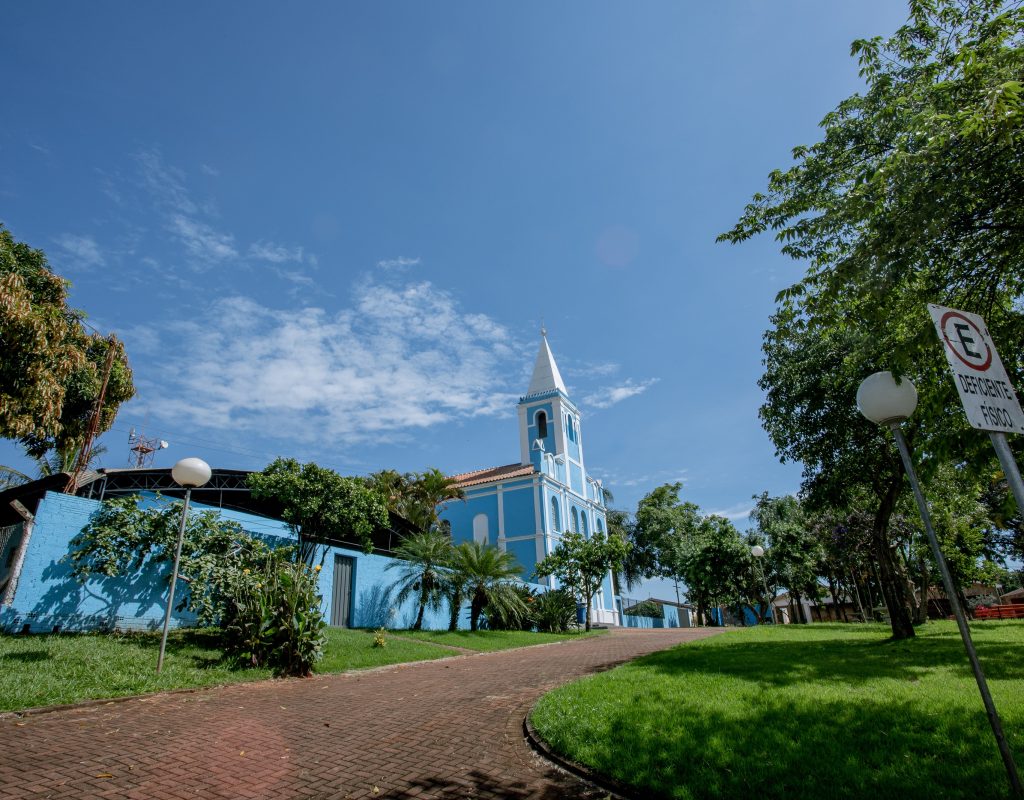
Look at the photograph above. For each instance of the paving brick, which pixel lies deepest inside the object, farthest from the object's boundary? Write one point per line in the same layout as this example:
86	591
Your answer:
429	730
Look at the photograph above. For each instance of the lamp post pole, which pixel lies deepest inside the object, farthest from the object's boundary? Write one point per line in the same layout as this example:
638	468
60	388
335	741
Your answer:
883	401
758	553
190	473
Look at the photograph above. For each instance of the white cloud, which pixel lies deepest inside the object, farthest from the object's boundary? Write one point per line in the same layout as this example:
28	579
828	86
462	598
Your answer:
167	184
592	370
733	512
399	263
604	398
401	357
208	170
201	240
82	250
274	253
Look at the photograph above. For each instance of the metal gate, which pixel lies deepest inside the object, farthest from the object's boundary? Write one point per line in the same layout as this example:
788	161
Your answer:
341	600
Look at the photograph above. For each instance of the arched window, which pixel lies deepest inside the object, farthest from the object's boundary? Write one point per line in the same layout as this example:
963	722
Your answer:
600	525
556	520
575	521
542	425
586	532
480	529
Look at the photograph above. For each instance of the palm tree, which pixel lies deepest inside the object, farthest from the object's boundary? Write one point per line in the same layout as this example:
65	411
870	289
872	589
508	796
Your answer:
455	582
57	461
425	492
424	557
488	571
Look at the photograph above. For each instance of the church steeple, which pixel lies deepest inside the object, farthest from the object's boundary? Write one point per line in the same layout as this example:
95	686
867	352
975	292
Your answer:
546	376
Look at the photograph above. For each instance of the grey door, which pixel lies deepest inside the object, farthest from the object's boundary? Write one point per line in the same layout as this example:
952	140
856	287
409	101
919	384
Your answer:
341	601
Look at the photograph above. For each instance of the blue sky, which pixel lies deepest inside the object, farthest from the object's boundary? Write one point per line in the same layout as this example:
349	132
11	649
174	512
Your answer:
332	230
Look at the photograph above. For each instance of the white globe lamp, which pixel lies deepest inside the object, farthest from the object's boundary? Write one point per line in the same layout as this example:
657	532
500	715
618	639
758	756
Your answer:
884	400
191	472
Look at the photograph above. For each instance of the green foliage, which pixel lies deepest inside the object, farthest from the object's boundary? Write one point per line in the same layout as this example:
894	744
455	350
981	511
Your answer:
581	564
554	611
380	638
646	608
272	617
912	196
423	564
488	574
415	496
320	504
504	618
50	374
122	538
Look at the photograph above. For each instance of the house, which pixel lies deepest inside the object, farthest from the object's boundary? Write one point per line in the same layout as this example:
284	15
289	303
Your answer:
524	507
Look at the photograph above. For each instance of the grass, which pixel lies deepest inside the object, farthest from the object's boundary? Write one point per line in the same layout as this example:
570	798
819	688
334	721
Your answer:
818	711
486	641
70	668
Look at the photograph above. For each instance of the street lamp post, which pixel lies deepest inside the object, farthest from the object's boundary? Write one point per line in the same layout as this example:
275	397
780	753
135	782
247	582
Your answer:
885	401
758	553
190	473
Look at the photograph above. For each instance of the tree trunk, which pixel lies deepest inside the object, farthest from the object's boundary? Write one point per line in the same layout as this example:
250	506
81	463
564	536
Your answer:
588	616
476	608
856	596
892	585
456	607
798	608
418	624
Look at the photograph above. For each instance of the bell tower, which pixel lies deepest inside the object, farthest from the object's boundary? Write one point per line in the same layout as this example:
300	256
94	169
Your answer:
549	423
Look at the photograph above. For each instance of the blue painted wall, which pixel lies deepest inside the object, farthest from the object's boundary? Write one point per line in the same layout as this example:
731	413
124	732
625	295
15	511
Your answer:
47	594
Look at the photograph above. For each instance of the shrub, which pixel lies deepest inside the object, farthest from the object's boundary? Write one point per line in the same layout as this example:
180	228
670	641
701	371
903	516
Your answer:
508	616
272	618
554	611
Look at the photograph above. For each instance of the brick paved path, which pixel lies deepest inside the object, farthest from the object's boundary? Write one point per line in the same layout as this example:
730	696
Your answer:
449	728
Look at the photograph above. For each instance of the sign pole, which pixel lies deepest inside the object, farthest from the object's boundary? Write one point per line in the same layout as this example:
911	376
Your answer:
961	618
1009	465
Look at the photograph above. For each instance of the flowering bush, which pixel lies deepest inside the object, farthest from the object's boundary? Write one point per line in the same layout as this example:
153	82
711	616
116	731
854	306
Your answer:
273	618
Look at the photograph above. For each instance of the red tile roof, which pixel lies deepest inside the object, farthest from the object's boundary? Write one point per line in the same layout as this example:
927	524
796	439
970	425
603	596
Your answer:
493	474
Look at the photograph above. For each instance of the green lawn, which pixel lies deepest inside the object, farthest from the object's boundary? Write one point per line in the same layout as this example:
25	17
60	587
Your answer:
69	668
491	640
818	711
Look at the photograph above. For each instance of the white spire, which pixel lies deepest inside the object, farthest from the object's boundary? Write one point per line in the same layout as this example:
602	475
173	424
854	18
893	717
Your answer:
545	371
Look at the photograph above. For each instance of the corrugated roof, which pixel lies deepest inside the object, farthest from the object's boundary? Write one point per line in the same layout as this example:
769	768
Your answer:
493	474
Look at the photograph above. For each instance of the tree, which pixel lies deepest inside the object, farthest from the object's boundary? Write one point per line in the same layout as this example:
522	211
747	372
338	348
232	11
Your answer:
581	564
487	573
50	371
320	504
123	537
794	552
662	522
425	558
81	393
913	195
712	560
416	496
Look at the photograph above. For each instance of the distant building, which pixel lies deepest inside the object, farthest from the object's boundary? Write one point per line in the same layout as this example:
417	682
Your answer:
524	507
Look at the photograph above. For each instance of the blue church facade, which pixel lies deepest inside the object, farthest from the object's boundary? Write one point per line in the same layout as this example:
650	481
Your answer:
524	507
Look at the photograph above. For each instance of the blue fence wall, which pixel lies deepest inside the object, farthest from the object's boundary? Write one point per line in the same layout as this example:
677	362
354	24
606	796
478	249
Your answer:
48	595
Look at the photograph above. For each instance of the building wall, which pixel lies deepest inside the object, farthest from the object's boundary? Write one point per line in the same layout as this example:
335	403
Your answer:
48	595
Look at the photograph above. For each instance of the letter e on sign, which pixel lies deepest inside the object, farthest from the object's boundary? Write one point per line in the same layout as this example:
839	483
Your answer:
977	371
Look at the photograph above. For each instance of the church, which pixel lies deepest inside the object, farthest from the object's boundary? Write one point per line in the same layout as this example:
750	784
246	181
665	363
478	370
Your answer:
523	508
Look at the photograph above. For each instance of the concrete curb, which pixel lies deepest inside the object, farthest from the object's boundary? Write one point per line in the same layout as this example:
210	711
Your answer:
614	788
